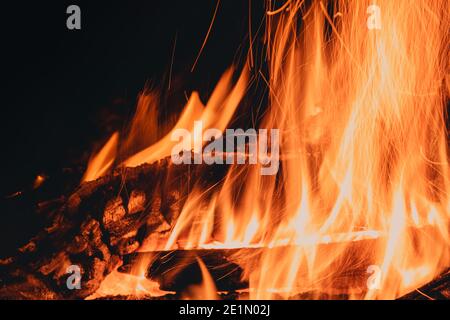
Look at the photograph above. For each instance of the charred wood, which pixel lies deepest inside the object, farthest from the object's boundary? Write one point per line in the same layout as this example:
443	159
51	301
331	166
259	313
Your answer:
97	224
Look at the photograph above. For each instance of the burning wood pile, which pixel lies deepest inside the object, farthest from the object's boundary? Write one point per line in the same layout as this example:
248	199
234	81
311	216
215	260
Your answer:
342	193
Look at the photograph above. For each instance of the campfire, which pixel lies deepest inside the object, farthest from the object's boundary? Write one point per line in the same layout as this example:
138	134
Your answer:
336	188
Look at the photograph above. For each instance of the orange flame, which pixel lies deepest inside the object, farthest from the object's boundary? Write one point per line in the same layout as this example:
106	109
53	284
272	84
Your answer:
103	160
206	290
364	177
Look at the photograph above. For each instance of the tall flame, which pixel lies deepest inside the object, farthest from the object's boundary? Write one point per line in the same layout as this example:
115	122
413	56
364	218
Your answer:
364	177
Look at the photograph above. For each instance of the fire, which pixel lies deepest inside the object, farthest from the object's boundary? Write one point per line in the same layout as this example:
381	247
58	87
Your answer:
206	290
103	160
133	285
364	175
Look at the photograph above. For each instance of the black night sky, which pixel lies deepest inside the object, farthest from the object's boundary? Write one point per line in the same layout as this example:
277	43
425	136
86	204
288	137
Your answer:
56	81
65	90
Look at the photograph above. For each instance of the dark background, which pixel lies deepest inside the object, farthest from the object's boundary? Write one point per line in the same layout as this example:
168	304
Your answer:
61	88
56	80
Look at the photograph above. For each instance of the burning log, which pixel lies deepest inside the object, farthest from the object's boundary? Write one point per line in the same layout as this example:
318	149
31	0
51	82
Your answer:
97	224
176	270
438	289
103	223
